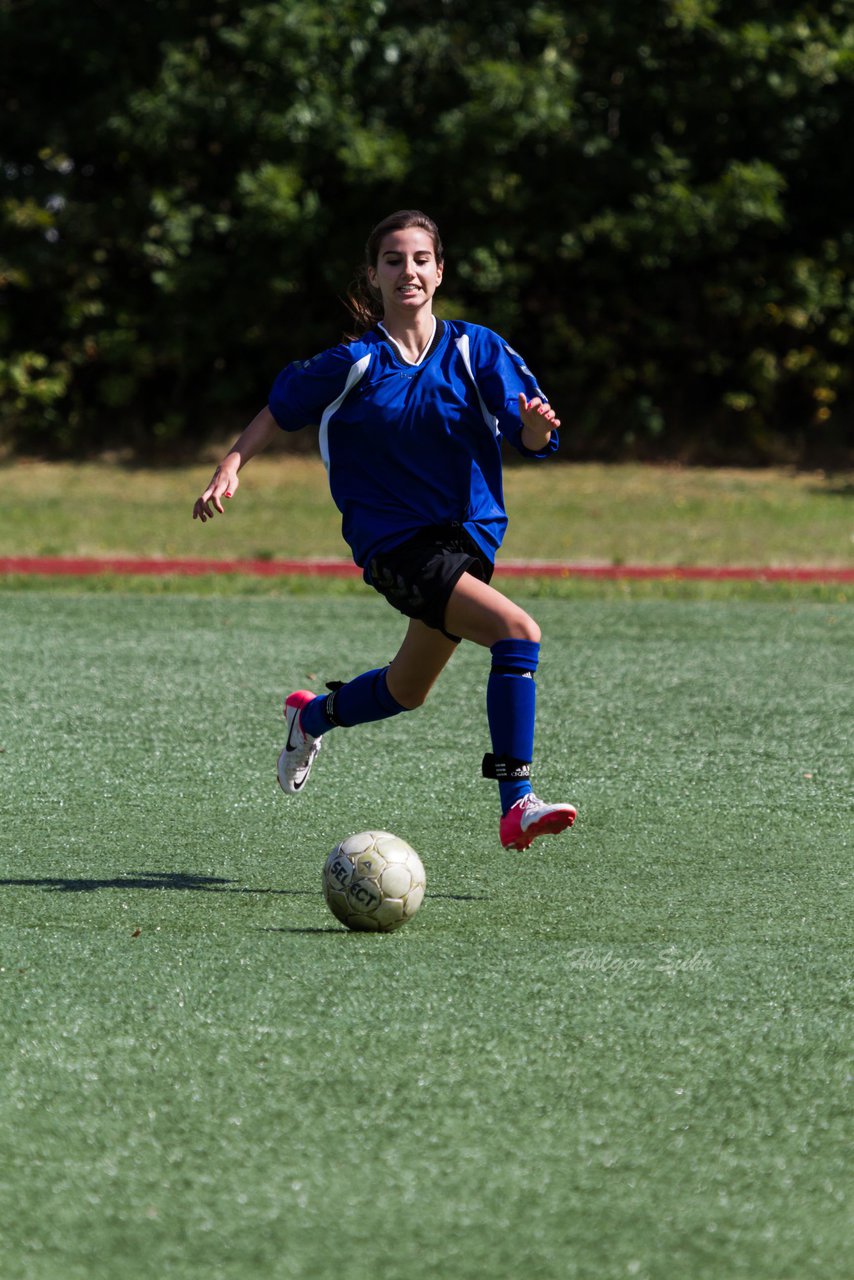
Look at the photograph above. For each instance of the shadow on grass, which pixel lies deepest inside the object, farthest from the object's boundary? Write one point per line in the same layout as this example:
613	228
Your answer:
186	881
328	928
150	880
457	897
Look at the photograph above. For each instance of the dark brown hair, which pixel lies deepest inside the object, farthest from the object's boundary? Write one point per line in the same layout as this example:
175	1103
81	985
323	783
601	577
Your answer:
363	301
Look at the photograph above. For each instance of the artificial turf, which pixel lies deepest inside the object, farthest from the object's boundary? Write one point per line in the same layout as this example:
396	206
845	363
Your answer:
622	1054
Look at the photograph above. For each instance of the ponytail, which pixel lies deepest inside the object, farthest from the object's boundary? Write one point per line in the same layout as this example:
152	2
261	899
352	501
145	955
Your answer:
364	304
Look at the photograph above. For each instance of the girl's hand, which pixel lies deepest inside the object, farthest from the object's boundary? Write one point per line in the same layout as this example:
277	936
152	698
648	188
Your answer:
223	485
538	418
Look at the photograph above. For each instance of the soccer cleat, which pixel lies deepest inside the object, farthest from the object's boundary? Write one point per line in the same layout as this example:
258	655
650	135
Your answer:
529	818
300	748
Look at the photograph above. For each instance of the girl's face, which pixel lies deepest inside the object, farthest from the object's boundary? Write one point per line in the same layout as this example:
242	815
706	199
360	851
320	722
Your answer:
407	273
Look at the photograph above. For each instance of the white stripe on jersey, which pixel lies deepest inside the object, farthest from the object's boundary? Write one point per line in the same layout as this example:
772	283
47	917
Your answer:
462	345
355	375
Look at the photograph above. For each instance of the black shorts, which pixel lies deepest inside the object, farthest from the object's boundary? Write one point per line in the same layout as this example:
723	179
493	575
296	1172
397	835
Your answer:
418	576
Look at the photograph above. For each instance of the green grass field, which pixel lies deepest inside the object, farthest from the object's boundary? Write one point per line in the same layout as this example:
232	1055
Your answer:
622	1055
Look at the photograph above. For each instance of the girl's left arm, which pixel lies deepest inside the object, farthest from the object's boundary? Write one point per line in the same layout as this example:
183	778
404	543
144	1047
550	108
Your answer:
538	421
511	393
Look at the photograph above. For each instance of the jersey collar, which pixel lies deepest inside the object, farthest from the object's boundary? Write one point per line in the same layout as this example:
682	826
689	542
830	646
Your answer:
438	330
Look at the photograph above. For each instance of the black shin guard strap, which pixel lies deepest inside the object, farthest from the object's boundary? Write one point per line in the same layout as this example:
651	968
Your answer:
504	768
333	686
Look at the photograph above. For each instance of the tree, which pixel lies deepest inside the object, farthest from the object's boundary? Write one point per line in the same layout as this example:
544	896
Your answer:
649	202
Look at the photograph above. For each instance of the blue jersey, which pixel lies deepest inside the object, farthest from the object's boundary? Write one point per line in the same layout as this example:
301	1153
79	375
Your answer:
408	446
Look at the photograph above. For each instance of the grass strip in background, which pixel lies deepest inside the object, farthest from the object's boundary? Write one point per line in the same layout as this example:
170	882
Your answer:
587	513
231	586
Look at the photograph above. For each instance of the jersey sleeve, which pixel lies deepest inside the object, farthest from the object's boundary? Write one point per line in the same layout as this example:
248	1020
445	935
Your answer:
305	388
501	374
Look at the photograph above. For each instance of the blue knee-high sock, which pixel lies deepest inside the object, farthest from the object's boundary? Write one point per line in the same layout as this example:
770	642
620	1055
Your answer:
511	703
358	702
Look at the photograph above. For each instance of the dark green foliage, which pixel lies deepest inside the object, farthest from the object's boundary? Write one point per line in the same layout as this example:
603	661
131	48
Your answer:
650	201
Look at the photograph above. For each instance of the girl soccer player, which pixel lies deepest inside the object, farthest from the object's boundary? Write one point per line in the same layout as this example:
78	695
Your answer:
411	415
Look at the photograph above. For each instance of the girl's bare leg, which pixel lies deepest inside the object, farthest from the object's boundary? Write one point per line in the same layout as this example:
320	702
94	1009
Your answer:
479	613
418	663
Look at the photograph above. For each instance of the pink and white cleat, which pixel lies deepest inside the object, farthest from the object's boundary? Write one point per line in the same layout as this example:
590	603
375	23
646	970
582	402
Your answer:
300	748
529	818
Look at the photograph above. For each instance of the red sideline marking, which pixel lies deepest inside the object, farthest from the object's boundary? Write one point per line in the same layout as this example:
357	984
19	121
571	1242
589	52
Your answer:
82	566
86	565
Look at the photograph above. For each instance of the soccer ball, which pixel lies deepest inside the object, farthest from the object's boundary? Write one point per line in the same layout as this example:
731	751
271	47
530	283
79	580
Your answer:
374	880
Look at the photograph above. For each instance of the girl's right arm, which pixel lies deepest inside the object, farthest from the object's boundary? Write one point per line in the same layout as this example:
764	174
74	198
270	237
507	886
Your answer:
261	431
